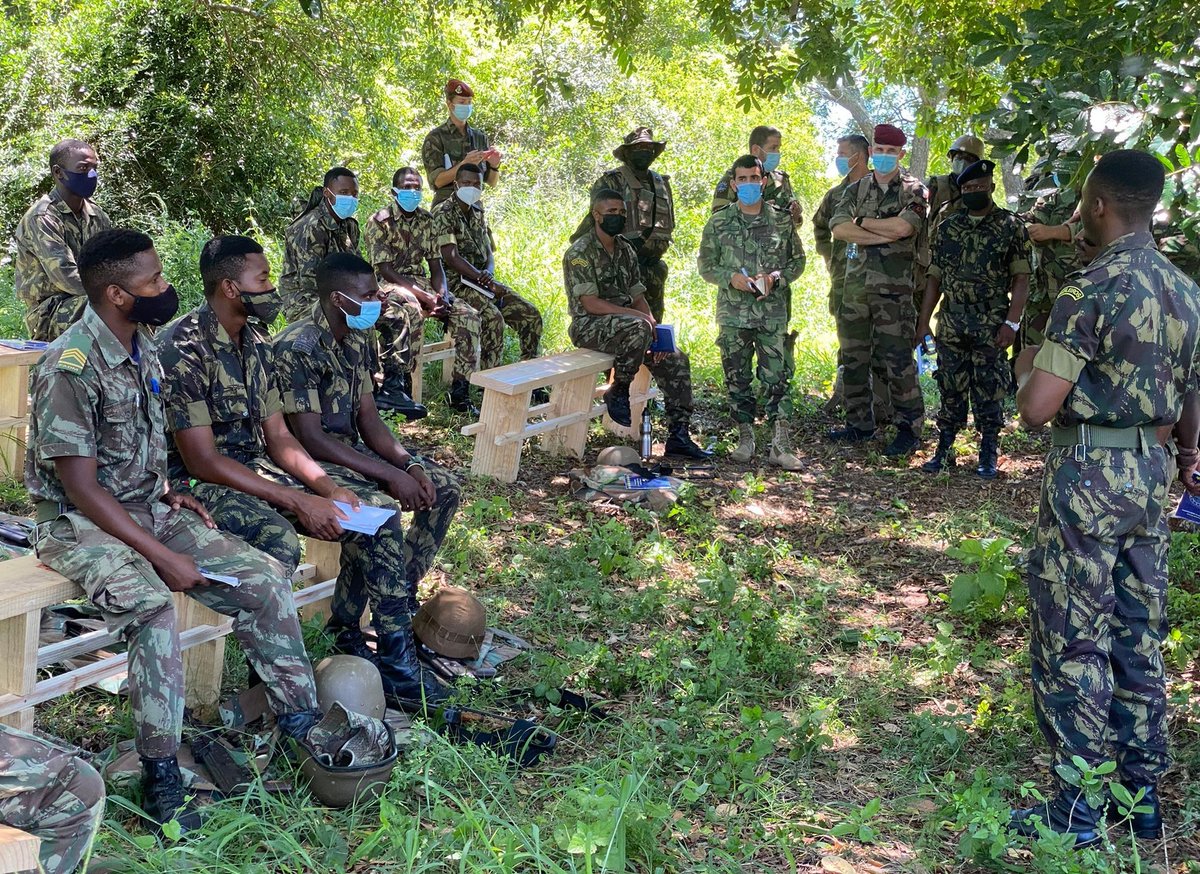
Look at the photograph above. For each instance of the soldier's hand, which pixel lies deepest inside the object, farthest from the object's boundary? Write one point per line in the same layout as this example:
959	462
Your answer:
179	572
797	212
320	517
407	492
922	333
1005	337
740	282
428	489
177	501
475	156
1039	233
1187	476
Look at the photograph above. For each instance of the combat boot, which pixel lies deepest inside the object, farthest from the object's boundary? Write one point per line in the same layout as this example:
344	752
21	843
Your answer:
989	450
849	434
679	442
406	684
744	451
542	396
392	396
943	457
349	640
616	399
460	398
1066	813
905	441
163	797
781	454
1144	825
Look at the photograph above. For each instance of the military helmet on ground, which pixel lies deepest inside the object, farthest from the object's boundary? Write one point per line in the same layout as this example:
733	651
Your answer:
353	682
618	456
452	623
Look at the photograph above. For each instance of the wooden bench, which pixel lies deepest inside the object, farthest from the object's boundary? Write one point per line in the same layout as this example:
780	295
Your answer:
27	587
18	850
504	424
14	407
443	351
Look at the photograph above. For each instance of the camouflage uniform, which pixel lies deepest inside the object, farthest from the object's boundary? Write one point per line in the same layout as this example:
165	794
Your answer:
51	794
444	147
1124	331
589	270
48	240
747	327
90	399
1052	261
876	320
307	240
649	224
945	200
405	242
471	234
317	374
975	260
777	192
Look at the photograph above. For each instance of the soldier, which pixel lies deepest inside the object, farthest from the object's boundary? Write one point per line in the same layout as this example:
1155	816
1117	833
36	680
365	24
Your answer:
53	795
400	241
321	361
944	200
883	216
49	238
455	143
467	250
96	468
1052	224
231	439
1117	361
752	252
607	303
765	143
980	272
650	210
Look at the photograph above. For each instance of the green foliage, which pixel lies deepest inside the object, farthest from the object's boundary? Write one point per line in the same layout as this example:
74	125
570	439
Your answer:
981	592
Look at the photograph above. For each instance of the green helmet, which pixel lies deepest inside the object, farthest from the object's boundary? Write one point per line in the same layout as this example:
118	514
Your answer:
347	758
618	456
353	682
452	623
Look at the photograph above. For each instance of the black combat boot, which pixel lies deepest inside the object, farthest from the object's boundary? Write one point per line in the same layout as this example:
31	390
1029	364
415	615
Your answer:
406	684
349	640
850	434
1145	825
460	398
1066	813
540	396
989	450
905	441
392	396
616	399
944	456
680	442
163	796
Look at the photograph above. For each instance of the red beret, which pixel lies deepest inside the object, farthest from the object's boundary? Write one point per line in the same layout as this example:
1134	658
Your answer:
458	88
889	135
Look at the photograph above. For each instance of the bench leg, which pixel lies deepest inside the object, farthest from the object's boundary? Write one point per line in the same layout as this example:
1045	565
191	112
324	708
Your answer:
637	401
570	397
18	663
448	369
326	556
203	664
501	414
418	381
14	407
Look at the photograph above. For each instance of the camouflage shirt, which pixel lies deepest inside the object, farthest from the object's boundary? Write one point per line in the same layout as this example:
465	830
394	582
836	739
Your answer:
1056	259
48	239
763	243
588	270
1124	330
317	374
649	205
777	191
976	261
889	267
444	147
945	200
405	241
469	232
833	251
210	380
92	399
308	240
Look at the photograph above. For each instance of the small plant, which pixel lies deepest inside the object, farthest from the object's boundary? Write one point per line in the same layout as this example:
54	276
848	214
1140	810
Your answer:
982	591
858	825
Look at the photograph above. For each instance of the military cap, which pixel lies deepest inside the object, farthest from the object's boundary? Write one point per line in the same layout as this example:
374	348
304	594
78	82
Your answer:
889	135
969	144
978	170
458	88
638	136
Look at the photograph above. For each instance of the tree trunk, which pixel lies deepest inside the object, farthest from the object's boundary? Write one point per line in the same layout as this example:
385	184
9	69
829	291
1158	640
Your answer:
918	157
1014	185
847	96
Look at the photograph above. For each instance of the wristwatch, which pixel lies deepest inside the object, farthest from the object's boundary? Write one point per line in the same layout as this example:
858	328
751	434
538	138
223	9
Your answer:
1016	326
858	220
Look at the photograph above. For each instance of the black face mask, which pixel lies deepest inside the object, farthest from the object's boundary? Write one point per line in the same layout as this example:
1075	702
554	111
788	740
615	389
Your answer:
976	200
641	161
262	305
612	224
154	311
80	184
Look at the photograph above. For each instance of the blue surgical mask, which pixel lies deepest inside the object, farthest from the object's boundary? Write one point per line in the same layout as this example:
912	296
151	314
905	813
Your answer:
885	163
408	198
345	205
368	315
462	111
749	193
843	165
771	161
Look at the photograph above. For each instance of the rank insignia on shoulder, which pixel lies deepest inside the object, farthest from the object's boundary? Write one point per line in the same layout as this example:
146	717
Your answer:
722	187
73	359
1072	291
579	262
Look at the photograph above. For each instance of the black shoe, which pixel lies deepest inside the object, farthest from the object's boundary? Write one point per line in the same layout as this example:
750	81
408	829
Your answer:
905	441
989	451
680	442
542	396
460	398
392	396
1065	814
350	641
406	684
163	796
944	456
849	434
297	725
616	399
1144	825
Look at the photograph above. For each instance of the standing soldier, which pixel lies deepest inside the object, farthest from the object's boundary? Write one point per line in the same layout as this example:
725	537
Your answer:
945	199
765	143
649	207
50	237
882	219
752	252
607	303
980	272
400	242
96	468
455	143
1113	372
1052	224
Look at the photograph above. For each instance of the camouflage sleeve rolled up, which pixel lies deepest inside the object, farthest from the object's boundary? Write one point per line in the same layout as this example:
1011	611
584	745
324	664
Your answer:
65	406
579	278
298	379
1073	331
1021	257
937	258
844	210
432	157
186	392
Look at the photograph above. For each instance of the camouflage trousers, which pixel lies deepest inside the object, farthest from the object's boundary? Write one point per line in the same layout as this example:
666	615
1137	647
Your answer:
740	348
971	368
1097	575
372	568
876	327
516	312
53	795
402	331
137	605
54	315
654	277
627	338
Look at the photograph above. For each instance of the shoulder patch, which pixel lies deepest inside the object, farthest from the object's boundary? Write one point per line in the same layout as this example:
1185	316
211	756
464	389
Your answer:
579	262
307	339
74	358
1072	291
722	187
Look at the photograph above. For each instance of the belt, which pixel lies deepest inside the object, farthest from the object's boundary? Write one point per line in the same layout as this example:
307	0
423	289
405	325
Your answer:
1140	437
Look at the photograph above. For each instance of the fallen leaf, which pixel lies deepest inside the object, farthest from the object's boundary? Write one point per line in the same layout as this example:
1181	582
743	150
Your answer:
837	865
725	810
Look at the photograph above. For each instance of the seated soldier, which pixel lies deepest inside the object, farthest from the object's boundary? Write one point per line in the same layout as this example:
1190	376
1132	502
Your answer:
400	241
96	468
607	302
322	373
49	238
226	414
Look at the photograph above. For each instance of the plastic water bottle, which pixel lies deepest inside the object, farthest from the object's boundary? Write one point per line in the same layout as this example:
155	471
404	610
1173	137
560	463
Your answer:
647	444
852	251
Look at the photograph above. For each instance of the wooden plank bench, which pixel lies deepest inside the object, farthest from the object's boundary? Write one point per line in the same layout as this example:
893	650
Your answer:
14	407
18	850
443	351
504	424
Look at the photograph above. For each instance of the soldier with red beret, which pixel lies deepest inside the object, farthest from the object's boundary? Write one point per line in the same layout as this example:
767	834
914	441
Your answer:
454	143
